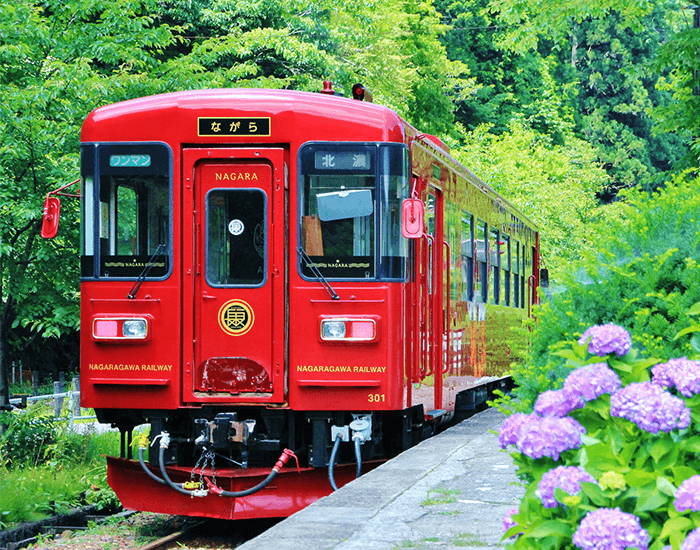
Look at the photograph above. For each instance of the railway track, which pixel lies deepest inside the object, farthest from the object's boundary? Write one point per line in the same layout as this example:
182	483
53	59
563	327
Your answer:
131	530
183	533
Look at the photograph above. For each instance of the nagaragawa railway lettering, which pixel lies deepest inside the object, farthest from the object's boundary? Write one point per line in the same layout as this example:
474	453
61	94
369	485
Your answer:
130	367
340	369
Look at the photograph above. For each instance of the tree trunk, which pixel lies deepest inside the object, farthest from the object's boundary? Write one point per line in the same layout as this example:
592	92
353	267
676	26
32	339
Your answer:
4	379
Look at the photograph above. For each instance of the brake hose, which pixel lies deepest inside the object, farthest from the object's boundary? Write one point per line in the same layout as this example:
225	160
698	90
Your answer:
143	444
336	444
165	441
284	457
358	456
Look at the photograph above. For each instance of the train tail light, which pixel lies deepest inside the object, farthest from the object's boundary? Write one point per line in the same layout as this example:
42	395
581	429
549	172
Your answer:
122	328
348	330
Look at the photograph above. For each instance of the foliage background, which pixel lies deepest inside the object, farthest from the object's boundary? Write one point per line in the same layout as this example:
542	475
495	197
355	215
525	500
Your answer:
557	106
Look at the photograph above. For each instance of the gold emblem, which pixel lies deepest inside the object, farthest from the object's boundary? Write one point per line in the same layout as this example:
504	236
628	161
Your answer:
236	317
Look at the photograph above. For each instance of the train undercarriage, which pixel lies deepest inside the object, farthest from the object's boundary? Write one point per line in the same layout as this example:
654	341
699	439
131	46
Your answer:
268	462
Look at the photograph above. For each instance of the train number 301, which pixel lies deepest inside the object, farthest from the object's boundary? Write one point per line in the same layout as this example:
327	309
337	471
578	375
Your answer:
376	398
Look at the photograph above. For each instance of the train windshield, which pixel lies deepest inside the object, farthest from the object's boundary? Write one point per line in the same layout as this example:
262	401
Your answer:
350	209
126	210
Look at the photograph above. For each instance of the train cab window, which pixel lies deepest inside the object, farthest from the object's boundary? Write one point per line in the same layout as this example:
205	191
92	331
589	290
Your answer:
481	286
466	254
126	210
350	217
495	263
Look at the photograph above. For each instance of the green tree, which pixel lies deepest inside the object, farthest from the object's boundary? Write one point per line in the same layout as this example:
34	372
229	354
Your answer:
58	61
616	92
553	184
507	82
626	56
299	43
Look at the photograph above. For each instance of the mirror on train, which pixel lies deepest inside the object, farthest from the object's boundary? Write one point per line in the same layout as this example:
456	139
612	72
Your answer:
412	218
341	205
544	277
49	226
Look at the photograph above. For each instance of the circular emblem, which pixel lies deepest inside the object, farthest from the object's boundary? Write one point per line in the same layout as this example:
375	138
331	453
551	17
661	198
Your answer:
236	227
236	317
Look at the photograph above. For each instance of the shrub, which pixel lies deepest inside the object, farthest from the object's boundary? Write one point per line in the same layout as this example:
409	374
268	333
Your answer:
27	436
643	275
615	462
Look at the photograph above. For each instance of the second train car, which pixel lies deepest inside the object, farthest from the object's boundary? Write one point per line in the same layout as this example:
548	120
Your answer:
289	288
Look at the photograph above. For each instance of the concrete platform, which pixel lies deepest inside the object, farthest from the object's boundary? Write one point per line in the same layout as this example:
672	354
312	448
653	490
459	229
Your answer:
448	492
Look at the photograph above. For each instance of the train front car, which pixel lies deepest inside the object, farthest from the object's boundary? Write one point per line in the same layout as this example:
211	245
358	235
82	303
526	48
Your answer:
249	291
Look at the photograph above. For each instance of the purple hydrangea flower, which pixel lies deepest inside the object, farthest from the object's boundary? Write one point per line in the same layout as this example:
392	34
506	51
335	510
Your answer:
508	521
688	495
682	373
606	339
510	429
549	436
692	541
610	529
568	478
557	403
591	381
650	407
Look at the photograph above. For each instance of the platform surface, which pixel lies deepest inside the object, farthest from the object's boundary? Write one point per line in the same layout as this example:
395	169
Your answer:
449	492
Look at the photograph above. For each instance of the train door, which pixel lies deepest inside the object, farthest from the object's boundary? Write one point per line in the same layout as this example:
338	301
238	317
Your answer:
429	307
237	271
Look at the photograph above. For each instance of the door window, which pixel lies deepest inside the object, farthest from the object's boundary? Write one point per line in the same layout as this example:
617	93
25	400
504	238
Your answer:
236	237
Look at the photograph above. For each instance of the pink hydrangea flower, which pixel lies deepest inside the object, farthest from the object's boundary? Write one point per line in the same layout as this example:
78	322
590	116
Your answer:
592	381
650	407
568	478
607	339
688	495
610	529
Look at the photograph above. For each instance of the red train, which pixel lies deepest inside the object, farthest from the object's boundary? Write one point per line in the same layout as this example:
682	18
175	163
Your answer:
273	276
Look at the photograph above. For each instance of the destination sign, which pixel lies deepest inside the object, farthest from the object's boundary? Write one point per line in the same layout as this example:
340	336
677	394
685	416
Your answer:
136	161
342	159
226	126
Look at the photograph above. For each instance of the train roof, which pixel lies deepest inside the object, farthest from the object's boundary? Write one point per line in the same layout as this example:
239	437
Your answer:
293	106
296	114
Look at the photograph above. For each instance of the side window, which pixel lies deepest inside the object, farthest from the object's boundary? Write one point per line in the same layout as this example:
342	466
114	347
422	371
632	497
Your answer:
516	272
495	263
481	287
466	255
505	270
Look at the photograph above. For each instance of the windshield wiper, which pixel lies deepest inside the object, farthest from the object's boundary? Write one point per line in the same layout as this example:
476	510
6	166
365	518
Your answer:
145	272
319	276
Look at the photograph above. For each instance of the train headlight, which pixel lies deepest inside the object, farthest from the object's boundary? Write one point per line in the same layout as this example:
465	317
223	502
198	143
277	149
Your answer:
120	328
135	328
333	330
348	330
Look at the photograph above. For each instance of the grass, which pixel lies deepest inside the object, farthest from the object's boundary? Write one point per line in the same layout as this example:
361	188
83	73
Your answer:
47	469
468	539
442	496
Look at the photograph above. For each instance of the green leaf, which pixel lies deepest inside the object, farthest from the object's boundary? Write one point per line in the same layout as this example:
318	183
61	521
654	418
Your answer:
649	501
675	525
665	486
549	528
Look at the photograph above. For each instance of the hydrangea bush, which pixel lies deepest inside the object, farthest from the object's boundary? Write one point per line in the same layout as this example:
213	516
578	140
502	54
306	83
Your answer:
612	459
